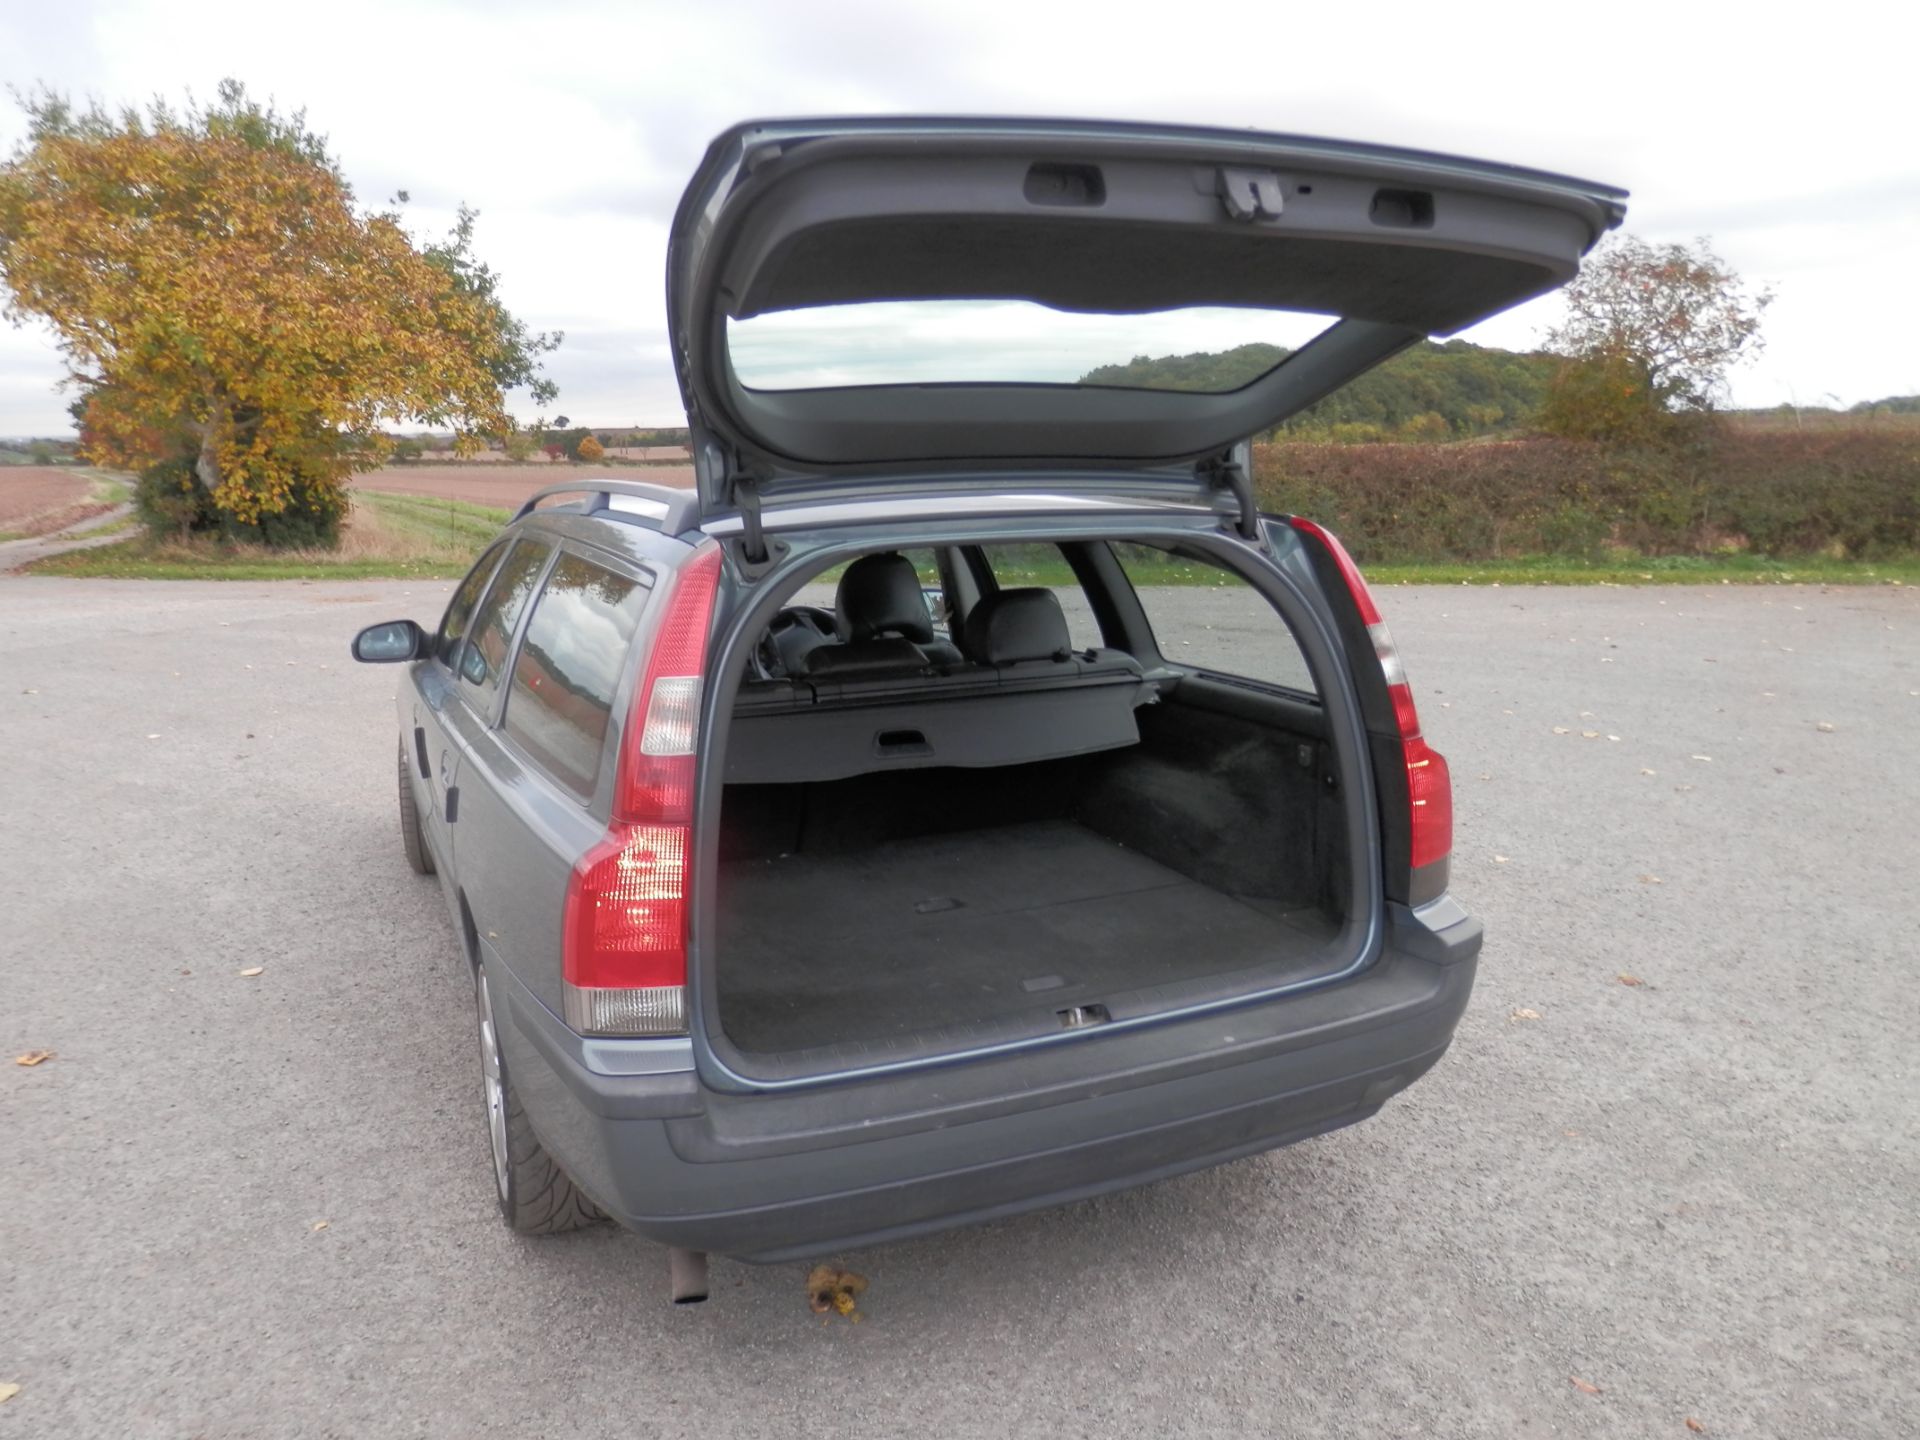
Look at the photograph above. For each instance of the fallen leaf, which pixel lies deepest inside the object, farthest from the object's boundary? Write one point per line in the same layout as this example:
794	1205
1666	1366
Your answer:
1524	1015
256	970
153	737
1630	980
8	1389
1704	759
1583	1386
1645	771
1695	1426
1589	734
33	1057
1825	727
319	1225
830	1288
1651	880
1559	729
1499	859
1613	737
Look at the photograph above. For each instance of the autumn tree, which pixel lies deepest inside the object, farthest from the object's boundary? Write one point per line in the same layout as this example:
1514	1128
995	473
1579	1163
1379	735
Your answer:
590	450
232	317
1651	332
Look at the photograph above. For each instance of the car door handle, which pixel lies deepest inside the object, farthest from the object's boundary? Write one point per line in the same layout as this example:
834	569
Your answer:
420	751
453	803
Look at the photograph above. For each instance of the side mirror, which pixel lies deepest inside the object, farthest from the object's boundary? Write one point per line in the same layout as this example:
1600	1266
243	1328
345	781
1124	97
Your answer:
394	640
936	603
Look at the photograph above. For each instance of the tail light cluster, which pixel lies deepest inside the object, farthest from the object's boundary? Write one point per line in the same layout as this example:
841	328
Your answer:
630	896
1429	786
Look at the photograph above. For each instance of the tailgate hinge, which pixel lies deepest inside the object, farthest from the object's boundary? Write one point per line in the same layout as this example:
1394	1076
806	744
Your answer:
1232	471
742	491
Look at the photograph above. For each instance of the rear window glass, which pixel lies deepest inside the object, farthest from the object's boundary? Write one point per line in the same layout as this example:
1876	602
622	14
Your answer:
569	667
933	342
485	656
1209	618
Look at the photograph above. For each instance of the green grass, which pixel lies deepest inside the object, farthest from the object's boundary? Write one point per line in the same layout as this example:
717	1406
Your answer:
1656	570
453	522
389	537
416	537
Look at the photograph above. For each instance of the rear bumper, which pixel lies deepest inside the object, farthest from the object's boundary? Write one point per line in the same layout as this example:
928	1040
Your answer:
788	1175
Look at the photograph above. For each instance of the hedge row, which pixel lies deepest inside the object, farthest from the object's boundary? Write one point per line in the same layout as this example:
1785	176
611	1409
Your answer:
1844	492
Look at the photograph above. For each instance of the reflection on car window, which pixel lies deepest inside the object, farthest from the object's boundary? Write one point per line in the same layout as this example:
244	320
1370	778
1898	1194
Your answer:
485	655
1208	618
569	667
453	627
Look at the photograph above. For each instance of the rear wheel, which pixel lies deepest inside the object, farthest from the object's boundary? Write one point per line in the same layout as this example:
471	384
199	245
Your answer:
536	1195
411	840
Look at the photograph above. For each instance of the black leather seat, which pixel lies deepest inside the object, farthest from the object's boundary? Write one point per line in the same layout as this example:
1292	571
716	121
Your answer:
1015	627
879	610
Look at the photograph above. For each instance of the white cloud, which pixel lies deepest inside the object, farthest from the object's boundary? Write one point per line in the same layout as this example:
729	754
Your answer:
572	128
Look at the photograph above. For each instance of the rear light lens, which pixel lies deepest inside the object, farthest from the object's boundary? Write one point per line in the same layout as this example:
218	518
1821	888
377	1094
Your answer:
1429	785
628	902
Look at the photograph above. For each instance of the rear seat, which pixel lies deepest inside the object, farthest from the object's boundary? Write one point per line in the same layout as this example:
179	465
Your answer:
1023	634
1018	640
1027	695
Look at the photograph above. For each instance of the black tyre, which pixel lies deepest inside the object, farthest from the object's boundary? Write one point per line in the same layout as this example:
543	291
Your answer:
536	1195
411	840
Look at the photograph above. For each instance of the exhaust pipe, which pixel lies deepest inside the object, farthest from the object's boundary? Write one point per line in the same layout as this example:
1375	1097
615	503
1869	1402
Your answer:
687	1275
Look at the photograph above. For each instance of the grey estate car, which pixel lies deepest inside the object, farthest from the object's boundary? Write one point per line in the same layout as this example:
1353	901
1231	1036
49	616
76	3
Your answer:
963	799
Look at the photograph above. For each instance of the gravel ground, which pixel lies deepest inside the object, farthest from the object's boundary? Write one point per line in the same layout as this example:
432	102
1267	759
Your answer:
1613	1207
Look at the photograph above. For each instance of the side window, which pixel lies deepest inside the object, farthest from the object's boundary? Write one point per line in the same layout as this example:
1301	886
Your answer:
453	625
569	666
928	569
1017	566
484	657
1209	618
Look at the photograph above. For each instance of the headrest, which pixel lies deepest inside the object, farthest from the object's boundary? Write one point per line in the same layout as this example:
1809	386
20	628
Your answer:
866	657
880	595
1011	625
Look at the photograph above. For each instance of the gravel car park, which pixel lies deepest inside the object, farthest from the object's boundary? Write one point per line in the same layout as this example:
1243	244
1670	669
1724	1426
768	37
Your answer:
1692	1194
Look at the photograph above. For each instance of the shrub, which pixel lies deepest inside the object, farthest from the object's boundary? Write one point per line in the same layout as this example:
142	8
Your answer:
170	500
1854	491
589	450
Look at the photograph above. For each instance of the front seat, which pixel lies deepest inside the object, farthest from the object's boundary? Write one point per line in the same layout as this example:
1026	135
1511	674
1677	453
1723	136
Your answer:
877	607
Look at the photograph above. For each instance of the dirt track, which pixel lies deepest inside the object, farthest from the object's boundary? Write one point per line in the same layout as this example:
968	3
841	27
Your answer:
506	486
37	498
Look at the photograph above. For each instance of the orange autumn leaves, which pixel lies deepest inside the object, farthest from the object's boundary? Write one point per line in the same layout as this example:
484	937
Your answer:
218	295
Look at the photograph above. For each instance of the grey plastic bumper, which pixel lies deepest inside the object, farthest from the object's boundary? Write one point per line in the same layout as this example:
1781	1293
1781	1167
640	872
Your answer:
783	1176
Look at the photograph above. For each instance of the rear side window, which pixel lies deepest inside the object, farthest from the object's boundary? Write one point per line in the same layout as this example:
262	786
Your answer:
1209	618
484	659
453	626
569	666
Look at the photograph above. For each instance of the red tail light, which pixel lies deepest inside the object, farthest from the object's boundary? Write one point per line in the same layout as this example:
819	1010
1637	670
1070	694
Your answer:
625	948
1429	786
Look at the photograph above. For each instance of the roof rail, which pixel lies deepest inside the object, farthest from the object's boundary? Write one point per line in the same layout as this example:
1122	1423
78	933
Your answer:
673	509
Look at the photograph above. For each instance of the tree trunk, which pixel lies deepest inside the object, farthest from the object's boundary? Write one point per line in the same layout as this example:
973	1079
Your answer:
207	463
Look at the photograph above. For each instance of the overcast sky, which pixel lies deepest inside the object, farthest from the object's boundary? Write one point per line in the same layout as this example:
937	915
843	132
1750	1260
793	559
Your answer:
1786	134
